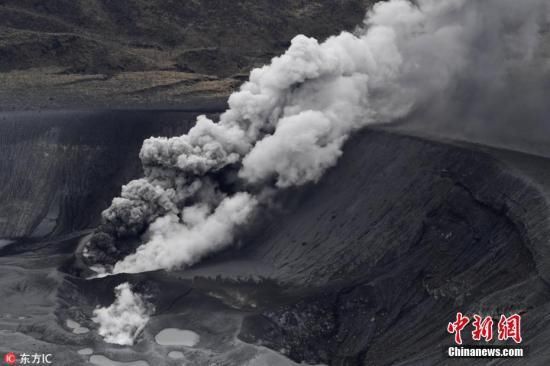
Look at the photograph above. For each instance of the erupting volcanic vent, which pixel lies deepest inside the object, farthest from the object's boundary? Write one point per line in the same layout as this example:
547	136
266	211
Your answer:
287	125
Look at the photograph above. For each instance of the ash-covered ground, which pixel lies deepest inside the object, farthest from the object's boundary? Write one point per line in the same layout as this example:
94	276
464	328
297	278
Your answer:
339	209
365	267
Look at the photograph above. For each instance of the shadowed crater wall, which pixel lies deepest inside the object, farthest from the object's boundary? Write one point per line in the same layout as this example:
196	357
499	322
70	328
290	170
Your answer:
59	170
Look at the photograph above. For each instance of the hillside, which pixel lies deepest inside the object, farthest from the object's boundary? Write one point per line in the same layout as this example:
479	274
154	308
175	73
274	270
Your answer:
104	52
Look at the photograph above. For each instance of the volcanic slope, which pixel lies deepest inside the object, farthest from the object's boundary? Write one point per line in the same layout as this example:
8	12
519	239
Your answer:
365	267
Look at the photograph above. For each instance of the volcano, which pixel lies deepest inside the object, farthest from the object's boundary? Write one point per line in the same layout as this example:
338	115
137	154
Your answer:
365	267
380	196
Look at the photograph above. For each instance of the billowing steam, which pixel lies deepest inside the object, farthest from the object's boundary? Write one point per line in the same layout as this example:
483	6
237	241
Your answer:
286	126
122	322
174	241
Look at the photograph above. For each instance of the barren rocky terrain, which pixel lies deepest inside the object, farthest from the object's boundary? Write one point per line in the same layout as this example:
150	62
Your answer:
383	251
101	53
418	220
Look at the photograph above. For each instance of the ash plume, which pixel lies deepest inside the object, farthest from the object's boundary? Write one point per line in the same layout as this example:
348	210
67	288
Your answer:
287	125
122	321
172	239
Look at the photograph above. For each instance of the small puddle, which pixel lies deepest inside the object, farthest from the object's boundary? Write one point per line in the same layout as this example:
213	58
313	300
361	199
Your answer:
176	355
104	361
85	351
177	337
76	328
80	330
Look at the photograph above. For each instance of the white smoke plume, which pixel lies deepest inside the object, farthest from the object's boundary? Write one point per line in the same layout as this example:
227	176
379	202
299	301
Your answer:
122	321
173	241
287	125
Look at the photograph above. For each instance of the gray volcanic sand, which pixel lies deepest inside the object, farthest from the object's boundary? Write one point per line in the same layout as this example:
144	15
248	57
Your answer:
367	266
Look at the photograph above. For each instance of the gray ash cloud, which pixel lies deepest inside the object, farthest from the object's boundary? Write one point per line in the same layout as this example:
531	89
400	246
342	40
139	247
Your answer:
287	124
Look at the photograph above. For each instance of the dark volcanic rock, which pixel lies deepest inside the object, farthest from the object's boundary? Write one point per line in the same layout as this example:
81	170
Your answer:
464	252
395	240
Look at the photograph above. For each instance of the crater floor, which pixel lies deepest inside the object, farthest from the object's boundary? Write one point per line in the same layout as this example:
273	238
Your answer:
366	267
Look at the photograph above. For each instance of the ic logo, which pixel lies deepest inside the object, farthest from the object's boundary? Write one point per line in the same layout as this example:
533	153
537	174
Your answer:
10	358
